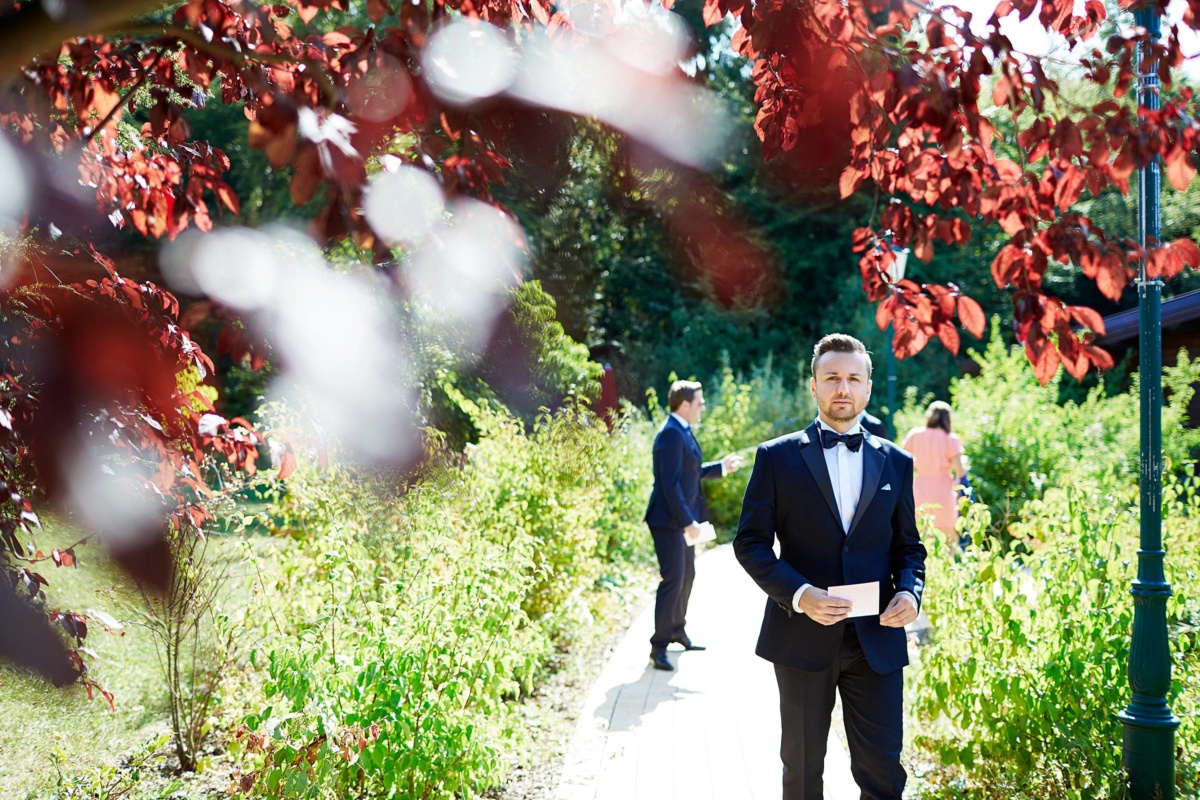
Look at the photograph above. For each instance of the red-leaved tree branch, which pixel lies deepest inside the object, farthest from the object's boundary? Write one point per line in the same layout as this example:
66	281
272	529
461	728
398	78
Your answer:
919	136
99	98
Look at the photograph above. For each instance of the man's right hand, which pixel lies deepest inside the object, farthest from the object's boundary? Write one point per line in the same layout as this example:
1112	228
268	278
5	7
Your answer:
692	532
824	607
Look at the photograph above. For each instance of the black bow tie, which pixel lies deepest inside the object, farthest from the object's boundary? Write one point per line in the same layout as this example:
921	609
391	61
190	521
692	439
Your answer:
830	439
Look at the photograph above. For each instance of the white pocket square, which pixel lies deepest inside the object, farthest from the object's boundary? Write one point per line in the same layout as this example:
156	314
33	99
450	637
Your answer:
887	487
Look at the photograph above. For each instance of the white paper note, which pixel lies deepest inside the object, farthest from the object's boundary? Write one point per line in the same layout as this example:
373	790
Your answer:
707	534
863	596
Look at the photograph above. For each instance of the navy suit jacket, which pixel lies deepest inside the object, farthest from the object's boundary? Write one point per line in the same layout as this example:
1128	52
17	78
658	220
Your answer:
790	497
677	500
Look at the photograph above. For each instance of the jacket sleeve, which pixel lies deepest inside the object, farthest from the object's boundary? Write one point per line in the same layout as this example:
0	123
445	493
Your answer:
711	470
754	543
907	554
668	475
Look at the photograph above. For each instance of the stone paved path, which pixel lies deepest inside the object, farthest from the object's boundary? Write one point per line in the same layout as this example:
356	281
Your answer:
707	731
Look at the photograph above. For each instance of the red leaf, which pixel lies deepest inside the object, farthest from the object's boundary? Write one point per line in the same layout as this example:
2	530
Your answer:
1009	263
1068	188
935	32
1001	91
1180	171
287	465
851	179
713	12
378	9
971	316
1088	317
1156	263
1099	356
1111	276
949	336
225	195
910	340
1041	354
1187	251
1070	143
883	312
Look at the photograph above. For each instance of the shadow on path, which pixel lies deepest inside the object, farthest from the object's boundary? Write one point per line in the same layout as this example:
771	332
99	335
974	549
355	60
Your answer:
707	731
626	704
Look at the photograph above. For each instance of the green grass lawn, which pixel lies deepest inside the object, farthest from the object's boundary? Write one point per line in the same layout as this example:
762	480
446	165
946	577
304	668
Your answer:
37	720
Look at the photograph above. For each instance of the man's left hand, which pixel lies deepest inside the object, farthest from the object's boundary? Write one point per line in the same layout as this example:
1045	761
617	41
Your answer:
901	611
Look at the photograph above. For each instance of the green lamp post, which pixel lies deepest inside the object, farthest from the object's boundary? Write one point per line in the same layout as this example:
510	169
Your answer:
1149	726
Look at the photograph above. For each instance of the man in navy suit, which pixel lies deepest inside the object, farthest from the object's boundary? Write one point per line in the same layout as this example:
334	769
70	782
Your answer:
840	502
677	507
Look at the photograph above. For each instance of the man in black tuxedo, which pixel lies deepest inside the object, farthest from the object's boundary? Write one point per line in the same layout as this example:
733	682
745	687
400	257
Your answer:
677	507
840	502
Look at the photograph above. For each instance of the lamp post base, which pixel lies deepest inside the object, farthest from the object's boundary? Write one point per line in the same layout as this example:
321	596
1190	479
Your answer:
1148	753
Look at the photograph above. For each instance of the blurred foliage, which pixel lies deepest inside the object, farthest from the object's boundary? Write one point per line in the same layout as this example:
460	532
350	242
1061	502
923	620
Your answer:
529	365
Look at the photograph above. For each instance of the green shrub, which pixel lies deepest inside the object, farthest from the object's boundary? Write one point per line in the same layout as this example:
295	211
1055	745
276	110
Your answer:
1017	692
394	685
625	473
411	621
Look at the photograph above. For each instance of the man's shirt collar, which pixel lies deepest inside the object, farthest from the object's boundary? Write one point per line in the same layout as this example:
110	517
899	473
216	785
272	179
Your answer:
687	425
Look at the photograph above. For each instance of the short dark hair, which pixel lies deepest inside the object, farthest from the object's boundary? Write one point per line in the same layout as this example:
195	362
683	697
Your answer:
839	343
938	415
682	392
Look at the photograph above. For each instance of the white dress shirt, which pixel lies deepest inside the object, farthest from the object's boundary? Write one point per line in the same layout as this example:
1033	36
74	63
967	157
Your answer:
846	474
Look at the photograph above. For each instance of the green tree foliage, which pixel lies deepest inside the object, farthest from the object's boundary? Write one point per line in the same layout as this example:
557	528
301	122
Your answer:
530	364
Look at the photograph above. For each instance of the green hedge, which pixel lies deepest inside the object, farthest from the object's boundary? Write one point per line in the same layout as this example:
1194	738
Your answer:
1016	693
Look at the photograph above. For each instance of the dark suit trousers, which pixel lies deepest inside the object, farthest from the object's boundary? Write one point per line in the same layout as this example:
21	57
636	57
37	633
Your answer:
872	708
677	568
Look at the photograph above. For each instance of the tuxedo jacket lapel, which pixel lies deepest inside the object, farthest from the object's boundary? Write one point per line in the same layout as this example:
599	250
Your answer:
814	457
873	459
688	436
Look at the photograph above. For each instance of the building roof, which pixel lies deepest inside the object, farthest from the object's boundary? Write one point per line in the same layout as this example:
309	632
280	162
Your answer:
1175	310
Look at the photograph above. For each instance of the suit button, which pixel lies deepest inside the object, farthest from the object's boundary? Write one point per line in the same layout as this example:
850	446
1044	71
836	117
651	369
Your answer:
846	549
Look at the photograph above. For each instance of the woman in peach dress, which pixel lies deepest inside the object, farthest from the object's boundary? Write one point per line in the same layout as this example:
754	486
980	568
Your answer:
937	455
